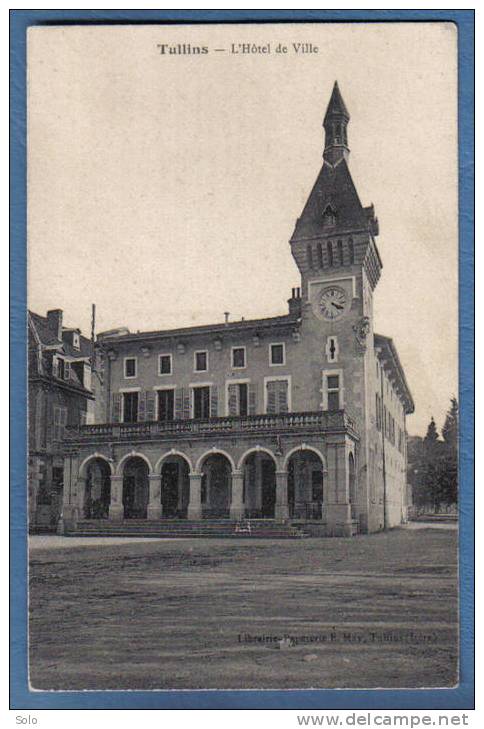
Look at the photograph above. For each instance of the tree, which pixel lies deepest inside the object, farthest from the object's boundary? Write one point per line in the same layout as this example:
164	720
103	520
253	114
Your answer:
450	431
431	470
449	461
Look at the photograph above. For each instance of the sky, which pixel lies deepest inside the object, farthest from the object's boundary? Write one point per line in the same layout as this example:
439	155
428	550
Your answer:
164	188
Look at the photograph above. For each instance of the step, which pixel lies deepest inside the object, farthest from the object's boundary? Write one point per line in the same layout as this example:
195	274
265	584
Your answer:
183	528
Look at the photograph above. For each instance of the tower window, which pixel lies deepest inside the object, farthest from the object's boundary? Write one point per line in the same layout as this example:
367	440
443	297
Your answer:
351	250
340	253
332	349
329	216
330	254
320	255
310	256
332	389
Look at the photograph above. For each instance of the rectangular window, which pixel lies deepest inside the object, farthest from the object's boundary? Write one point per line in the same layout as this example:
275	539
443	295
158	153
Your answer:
238	357
201	361
60	422
278	354
277	396
201	403
130	367
332	390
130	407
165	364
166	405
61	368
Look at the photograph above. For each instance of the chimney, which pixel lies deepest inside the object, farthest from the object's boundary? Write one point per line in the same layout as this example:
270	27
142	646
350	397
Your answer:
294	302
54	322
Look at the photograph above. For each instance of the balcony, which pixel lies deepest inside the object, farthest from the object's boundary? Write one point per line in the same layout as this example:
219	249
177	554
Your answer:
231	426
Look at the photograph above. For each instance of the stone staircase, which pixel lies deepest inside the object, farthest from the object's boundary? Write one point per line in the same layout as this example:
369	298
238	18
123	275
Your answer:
188	529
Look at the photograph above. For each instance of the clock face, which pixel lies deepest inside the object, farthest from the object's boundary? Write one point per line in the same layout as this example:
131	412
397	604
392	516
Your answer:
333	302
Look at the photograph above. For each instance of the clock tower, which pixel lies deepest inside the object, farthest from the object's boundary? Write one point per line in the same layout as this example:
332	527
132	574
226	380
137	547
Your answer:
333	242
334	247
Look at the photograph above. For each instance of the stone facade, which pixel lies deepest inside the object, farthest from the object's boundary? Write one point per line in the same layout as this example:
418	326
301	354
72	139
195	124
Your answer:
60	395
296	417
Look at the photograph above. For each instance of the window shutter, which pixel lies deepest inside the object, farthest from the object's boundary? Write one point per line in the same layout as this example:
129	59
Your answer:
252	400
67	371
150	406
63	423
283	399
141	407
232	400
55	366
116	407
178	403
271	397
214	401
186	403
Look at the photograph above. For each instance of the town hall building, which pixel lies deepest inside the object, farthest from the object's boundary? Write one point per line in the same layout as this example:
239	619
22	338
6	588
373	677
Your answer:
297	419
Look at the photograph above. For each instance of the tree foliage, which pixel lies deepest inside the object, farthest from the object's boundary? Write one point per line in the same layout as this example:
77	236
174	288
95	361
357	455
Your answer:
433	463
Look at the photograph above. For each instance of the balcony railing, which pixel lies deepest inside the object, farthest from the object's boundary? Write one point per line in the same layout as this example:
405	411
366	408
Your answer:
231	425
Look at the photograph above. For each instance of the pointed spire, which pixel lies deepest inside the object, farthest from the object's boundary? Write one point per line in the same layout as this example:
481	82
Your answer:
335	126
336	106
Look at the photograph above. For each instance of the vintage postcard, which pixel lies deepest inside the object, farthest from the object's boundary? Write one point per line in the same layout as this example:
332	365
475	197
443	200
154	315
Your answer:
243	398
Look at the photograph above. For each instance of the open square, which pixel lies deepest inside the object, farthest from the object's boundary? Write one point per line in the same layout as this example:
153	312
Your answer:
374	611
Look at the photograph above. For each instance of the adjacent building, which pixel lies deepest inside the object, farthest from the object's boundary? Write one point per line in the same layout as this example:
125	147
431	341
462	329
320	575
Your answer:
60	395
299	417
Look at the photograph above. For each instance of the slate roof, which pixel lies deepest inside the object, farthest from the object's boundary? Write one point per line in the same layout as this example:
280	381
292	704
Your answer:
48	338
245	324
336	104
334	186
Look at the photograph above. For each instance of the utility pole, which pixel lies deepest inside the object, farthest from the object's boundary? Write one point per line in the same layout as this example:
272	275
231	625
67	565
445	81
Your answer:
93	337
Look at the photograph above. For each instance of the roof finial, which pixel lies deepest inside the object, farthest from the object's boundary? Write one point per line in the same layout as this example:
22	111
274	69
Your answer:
335	126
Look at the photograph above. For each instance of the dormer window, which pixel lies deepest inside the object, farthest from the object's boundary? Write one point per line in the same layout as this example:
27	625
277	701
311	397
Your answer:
329	216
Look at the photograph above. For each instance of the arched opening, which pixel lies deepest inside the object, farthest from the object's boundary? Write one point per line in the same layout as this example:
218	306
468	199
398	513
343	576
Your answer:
351	249
305	482
175	487
330	253
259	472
135	488
352	484
216	486
310	256
97	494
340	253
320	255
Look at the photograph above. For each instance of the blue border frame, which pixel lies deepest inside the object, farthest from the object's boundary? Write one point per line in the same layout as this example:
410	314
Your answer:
21	697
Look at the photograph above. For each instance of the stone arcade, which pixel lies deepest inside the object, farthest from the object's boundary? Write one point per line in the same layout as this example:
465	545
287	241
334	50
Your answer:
297	418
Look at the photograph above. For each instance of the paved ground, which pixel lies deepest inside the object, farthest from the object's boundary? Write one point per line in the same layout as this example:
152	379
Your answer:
373	611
